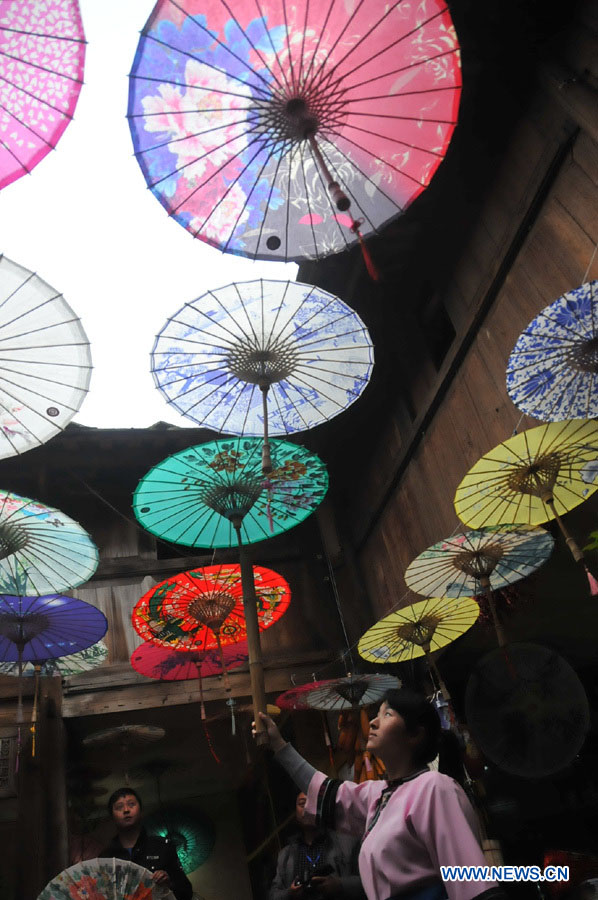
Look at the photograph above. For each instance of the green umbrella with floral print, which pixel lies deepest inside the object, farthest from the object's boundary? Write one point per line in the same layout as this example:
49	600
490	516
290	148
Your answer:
215	495
200	496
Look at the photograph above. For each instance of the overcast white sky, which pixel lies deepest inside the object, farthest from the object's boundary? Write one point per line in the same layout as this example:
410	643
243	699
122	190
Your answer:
85	221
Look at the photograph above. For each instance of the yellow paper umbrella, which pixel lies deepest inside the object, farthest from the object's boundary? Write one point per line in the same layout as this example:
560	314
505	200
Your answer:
419	630
532	478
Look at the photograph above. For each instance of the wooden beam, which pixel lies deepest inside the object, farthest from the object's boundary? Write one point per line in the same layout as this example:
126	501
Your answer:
131	566
122	690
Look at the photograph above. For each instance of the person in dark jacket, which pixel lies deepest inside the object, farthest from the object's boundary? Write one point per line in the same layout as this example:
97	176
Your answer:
316	864
132	842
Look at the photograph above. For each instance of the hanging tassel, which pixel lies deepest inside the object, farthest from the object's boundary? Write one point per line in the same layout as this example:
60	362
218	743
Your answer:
369	262
209	742
34	712
592	582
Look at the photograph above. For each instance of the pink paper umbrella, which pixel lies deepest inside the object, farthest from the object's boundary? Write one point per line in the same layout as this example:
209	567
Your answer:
172	665
42	51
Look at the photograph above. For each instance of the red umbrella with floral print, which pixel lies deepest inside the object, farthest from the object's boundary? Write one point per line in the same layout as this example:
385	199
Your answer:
287	130
203	609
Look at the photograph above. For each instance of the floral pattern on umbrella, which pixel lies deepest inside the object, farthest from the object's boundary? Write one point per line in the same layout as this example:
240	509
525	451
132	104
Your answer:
193	497
470	561
42	52
165	664
174	612
105	879
305	349
42	550
552	373
225	110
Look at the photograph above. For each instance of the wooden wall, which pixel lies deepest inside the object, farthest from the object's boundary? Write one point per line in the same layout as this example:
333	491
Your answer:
535	240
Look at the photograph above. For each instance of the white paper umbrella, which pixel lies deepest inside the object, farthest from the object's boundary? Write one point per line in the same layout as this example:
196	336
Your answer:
263	356
45	362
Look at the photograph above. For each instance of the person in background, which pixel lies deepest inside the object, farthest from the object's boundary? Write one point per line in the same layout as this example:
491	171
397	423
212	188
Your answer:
410	824
132	842
316	864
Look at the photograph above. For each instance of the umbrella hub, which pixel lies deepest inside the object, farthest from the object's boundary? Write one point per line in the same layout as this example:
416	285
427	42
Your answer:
22	629
286	118
420	632
212	609
233	500
352	691
537	477
263	365
12	538
584	357
478	563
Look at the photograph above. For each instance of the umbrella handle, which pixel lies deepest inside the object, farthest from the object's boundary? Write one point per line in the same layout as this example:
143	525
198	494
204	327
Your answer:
256	671
500	634
339	198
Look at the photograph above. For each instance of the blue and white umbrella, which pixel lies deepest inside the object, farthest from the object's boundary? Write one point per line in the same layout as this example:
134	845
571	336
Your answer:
552	373
263	356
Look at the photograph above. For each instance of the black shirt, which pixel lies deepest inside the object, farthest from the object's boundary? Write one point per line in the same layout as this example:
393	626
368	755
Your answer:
154	853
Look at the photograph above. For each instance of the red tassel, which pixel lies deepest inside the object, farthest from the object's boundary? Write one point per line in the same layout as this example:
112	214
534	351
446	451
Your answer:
369	262
592	582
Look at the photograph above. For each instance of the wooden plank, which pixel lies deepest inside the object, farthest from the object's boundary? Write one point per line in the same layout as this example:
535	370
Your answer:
125	697
585	154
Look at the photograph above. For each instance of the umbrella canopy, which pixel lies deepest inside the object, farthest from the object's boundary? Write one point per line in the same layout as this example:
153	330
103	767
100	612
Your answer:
65	666
195	497
190	611
41	549
291	348
124	736
164	664
339	693
42	51
258	130
47	627
418	630
105	879
527	710
469	560
45	363
552	373
532	477
191	832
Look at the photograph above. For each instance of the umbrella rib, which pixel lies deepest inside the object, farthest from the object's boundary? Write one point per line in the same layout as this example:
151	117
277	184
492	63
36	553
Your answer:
290	322
322	76
254	48
387	97
4	429
187	137
248	196
229	75
192	162
288	42
420	62
33	96
274	52
269	198
5	381
14	156
297	409
27	62
192	87
395	168
349	126
306	194
363	38
267	343
376	187
24	124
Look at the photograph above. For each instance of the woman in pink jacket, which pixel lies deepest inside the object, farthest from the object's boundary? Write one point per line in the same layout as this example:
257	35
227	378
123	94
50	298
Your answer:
411	824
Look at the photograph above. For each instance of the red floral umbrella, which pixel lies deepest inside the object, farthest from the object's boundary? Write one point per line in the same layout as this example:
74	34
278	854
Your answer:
203	609
175	665
284	130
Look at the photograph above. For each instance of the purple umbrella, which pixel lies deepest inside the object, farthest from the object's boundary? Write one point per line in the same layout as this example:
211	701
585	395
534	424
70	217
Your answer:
35	629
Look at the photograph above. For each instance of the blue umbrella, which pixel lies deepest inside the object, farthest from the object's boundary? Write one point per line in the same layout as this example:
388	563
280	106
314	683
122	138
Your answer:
552	373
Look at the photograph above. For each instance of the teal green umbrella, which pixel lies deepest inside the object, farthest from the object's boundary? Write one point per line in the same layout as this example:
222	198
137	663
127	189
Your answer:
200	496
215	495
191	832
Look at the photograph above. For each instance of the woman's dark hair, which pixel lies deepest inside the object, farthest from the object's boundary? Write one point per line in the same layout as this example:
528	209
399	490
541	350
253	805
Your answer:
123	792
417	712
